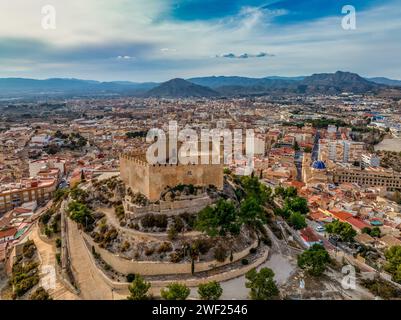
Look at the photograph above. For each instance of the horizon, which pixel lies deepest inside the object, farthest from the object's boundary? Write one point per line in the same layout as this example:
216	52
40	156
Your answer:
191	77
154	41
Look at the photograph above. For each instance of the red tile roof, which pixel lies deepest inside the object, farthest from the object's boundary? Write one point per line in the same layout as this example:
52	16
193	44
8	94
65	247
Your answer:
341	215
308	235
8	233
357	223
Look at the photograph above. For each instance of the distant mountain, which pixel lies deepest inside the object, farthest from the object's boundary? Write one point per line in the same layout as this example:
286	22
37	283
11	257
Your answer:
223	81
56	86
337	82
385	81
324	83
180	88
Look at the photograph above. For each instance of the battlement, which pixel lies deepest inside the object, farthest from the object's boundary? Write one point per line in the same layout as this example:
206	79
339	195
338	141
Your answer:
152	179
137	158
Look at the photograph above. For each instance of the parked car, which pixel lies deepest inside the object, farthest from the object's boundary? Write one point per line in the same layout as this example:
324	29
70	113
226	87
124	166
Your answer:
320	229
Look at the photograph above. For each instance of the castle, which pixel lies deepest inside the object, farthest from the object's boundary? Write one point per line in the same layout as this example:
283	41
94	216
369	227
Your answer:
152	180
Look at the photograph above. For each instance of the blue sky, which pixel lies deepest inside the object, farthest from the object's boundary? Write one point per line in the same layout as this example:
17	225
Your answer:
155	40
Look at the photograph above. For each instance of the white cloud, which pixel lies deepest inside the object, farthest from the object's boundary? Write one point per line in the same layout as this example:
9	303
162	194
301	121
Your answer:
180	49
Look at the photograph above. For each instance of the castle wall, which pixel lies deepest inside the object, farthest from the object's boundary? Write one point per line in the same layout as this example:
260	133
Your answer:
135	174
167	207
163	176
152	180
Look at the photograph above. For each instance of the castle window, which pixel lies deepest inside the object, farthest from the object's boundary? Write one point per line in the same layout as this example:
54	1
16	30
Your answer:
189	173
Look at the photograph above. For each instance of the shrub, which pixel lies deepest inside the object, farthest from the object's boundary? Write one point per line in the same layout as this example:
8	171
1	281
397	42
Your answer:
172	233
25	285
58	258
178	224
175	291
58	243
210	291
245	262
220	254
175	257
203	245
189	219
149	251
252	250
29	249
119	211
40	294
46	217
165	247
125	246
130	277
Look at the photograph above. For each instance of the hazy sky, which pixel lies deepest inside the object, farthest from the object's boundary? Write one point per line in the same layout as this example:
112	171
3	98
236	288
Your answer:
155	40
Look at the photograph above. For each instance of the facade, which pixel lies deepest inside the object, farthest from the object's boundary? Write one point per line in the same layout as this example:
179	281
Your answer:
14	194
340	150
152	180
314	173
37	165
7	235
369	177
370	160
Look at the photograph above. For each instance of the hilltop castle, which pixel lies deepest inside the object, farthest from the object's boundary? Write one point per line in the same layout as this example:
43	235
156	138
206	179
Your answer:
152	180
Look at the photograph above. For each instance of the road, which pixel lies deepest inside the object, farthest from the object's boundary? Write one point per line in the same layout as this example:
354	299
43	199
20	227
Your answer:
315	149
320	235
47	253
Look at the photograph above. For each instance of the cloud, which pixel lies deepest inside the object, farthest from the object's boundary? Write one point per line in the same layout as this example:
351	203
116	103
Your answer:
182	41
125	58
168	50
245	55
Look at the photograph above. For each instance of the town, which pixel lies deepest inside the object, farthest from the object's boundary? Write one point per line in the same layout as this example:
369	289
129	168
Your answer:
85	215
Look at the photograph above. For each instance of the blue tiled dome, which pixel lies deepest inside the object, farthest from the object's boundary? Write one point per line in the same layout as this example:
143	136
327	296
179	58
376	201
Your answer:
319	165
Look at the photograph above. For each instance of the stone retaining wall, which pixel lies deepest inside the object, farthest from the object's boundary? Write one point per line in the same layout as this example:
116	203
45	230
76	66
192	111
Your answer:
122	287
126	266
167	207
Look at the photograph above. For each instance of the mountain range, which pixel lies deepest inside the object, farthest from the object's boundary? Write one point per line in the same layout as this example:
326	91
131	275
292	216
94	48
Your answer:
215	86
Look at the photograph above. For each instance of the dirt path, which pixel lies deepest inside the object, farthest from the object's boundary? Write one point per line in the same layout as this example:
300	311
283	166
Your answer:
90	282
47	253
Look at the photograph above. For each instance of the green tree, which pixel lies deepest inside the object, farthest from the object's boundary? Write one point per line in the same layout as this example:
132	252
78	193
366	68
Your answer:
261	284
296	204
253	188
290	192
279	192
80	213
175	291
342	229
60	194
79	194
139	288
218	220
375	232
393	266
314	260
282	213
210	291
252	213
297	220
